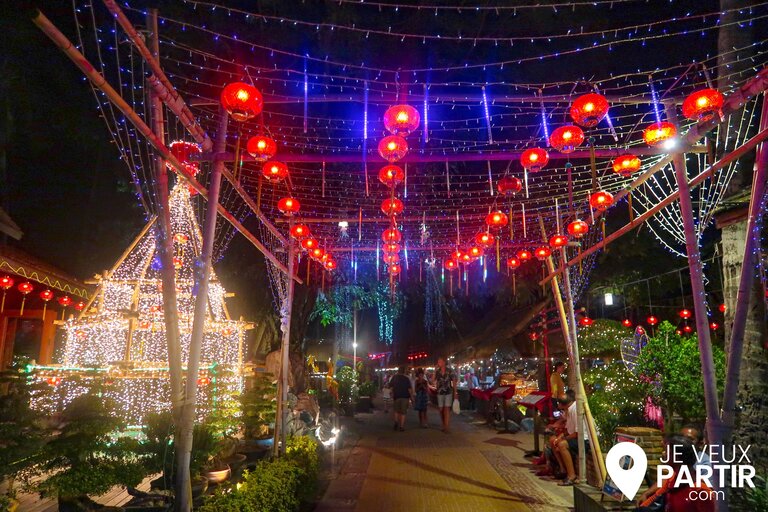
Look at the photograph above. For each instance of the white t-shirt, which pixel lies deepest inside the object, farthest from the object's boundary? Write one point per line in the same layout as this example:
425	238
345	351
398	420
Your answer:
571	420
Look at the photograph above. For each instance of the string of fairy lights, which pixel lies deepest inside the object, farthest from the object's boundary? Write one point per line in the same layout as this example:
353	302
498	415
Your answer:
202	52
120	336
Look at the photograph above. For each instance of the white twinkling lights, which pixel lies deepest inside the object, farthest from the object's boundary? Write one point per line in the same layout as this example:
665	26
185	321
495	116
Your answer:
119	342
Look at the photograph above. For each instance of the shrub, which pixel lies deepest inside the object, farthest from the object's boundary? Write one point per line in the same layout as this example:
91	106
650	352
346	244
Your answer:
276	486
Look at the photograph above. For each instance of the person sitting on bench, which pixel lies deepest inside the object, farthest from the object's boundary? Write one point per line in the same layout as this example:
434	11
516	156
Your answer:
567	444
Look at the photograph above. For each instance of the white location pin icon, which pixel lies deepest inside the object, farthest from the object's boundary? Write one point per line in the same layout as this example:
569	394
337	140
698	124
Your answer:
627	479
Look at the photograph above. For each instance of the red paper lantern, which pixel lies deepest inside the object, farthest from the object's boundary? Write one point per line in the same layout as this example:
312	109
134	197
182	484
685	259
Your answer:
180	238
485	239
558	241
722	308
533	335
496	219
46	295
542	253
401	120
652	320
639	330
392	206
203	381
391	235
457	255
261	148
64	300
309	244
626	165
585	321
703	105
466	258
318	253
392	148
394	269
659	133
53	381
330	264
391	247
524	255
391	257
288	206
299	231
566	138
513	263
184	151
578	228
588	110
685	314
177	263
6	282
475	251
275	171
391	175
80	306
534	159
626	322
509	185
450	265
601	200
25	288
713	325
241	101
687	329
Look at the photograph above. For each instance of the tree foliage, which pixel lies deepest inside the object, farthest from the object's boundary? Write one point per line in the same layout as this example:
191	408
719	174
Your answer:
602	338
669	370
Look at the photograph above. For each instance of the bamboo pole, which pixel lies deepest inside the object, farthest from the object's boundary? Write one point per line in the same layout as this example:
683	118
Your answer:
568	326
166	92
746	280
671	198
164	240
286	313
100	82
183	501
714	433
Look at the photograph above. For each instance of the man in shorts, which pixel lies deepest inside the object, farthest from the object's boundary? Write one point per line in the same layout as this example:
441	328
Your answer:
402	393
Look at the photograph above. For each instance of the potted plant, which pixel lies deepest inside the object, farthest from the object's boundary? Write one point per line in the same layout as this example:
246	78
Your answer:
258	405
89	455
22	432
347	389
365	400
159	452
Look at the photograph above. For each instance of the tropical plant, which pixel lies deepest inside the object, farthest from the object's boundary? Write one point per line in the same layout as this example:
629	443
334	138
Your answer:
615	399
669	370
89	456
277	486
602	338
22	432
258	406
348	391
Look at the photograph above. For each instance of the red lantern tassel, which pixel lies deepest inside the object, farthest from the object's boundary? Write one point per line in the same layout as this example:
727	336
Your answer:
525	234
514	285
309	266
360	225
322	186
23	300
2	304
511	229
450	280
45	307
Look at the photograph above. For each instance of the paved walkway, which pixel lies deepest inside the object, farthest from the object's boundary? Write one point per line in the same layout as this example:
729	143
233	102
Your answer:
473	468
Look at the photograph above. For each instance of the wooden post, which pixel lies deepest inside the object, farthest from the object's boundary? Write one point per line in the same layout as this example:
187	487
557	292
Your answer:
164	239
746	279
183	501
568	327
714	431
286	313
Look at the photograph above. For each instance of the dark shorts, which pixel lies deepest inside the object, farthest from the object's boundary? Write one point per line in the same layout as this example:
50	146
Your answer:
401	405
573	445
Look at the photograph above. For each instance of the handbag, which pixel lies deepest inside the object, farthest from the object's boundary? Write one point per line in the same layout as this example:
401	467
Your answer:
456	406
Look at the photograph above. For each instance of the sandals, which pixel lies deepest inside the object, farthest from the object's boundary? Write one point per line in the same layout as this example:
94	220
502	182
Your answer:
568	482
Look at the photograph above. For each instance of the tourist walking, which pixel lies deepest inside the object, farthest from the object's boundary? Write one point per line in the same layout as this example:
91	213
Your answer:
422	397
445	386
402	393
